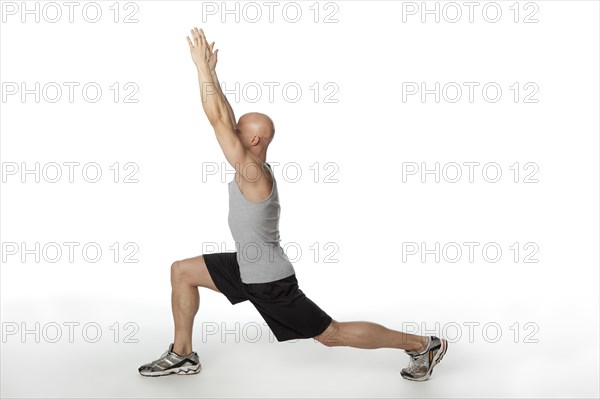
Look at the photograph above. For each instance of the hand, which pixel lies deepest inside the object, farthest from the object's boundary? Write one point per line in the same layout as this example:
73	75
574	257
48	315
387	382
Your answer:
202	54
212	60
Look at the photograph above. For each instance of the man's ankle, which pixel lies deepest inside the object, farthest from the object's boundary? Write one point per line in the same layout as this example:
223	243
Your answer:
183	351
421	345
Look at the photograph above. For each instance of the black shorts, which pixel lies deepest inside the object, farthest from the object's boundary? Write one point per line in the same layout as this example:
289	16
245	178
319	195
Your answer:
288	312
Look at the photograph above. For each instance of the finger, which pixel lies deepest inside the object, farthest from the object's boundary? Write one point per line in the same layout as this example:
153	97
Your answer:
202	35
212	46
199	36
189	42
194	37
216	54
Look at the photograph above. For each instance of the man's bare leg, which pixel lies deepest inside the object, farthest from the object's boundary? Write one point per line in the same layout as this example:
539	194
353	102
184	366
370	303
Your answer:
367	335
186	276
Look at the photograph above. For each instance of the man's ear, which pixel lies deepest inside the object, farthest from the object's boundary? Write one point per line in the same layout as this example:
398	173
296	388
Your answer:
255	140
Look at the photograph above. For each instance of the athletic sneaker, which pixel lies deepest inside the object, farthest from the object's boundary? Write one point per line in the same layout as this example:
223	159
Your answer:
421	364
171	363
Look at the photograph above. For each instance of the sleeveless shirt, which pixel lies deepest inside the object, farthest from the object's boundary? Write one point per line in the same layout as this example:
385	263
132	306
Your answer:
254	226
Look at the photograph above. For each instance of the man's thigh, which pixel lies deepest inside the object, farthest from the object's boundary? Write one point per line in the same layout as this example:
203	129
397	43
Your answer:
195	272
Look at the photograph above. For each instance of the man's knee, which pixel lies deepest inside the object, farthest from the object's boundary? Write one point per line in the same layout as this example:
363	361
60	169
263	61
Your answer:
192	271
178	272
331	336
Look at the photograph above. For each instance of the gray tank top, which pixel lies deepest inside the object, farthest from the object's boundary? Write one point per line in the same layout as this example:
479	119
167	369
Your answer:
254	226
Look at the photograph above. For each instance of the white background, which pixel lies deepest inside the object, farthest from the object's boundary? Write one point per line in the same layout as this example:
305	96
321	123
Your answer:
175	211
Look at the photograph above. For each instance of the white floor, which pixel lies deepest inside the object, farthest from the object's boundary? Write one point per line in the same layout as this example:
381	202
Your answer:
556	366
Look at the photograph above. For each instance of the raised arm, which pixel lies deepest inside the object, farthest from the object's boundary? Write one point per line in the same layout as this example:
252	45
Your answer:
212	66
215	104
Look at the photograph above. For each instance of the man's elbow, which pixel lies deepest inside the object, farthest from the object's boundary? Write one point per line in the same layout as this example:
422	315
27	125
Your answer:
220	123
214	118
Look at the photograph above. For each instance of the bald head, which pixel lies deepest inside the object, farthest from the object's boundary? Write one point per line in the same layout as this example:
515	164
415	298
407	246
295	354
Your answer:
256	131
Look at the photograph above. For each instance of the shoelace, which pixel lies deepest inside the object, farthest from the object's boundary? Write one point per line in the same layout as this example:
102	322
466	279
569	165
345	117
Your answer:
157	361
418	362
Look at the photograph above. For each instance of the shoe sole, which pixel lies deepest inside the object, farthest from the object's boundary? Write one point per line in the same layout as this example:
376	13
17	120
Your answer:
436	359
187	370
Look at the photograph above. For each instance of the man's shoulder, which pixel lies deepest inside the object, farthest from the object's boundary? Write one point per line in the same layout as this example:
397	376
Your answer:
255	181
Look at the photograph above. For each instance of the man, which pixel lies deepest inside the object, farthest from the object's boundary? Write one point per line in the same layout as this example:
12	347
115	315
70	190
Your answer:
259	271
